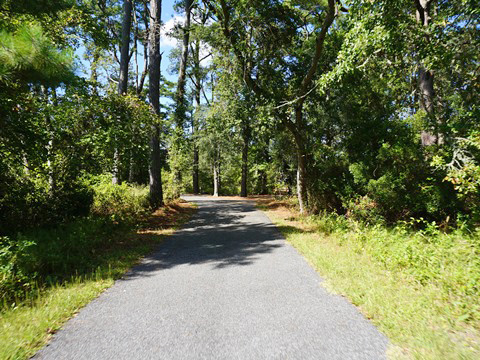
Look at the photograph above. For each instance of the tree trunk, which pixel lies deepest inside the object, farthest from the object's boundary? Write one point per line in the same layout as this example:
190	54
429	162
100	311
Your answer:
135	54
243	187
180	102
263	183
123	77
301	179
216	179
425	82
182	73
301	160
155	166
93	70
49	147
426	76
145	58
198	89
132	171
155	169
116	163
263	174
216	171
196	187
125	47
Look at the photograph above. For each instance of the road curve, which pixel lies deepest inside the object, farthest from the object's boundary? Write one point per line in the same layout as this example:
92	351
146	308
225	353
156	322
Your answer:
226	286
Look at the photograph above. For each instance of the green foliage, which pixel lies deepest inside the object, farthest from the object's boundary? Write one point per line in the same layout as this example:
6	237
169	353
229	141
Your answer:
122	202
26	203
38	257
29	56
359	134
420	288
420	249
15	280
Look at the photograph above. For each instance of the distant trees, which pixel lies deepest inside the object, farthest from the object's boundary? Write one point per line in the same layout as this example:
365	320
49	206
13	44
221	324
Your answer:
254	47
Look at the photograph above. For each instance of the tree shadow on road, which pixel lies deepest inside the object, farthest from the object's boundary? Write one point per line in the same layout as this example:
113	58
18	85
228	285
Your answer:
224	233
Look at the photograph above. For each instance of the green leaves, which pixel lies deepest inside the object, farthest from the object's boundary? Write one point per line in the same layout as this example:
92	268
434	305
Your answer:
29	56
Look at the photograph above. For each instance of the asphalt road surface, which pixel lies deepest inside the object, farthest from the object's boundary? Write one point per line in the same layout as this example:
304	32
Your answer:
226	286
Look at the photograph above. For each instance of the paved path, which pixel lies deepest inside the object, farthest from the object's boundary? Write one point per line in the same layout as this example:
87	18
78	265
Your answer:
227	286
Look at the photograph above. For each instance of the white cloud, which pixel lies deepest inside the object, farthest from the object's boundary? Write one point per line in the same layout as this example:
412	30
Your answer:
205	49
170	41
167	28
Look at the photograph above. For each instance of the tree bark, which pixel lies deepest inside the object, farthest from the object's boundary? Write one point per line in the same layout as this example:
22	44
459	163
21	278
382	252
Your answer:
155	166
263	174
263	183
116	164
198	89
132	169
216	171
123	77
301	160
426	77
246	139
180	103
216	179
93	70
49	147
196	187
182	73
125	47
425	82
145	57
243	188
135	54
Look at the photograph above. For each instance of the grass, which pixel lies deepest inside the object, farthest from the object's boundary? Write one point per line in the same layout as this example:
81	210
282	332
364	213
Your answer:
26	327
420	289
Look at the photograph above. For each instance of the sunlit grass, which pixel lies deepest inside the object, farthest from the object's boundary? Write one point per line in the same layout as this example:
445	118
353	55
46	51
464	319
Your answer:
423	303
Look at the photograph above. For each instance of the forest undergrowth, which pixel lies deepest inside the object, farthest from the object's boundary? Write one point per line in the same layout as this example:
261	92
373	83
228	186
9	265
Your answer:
47	275
419	285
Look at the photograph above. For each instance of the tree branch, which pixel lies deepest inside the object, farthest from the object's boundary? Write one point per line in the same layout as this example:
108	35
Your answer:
320	40
224	19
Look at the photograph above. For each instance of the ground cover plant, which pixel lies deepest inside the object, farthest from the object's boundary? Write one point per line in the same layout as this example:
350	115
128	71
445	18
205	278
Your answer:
419	287
47	275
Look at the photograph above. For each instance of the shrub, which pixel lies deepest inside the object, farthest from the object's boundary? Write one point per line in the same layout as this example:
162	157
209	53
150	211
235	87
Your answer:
364	209
50	254
14	279
419	248
27	203
119	202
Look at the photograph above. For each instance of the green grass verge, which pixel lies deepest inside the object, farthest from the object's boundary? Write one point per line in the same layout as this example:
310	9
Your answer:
27	327
421	291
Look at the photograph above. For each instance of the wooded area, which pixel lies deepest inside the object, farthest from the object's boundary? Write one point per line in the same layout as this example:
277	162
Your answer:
365	108
362	114
368	109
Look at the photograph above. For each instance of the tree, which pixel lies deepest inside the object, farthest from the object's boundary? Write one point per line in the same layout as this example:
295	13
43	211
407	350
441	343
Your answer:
156	194
123	77
249	48
197	76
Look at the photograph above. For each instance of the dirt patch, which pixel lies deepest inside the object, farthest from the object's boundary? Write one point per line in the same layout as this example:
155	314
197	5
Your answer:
283	207
167	217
